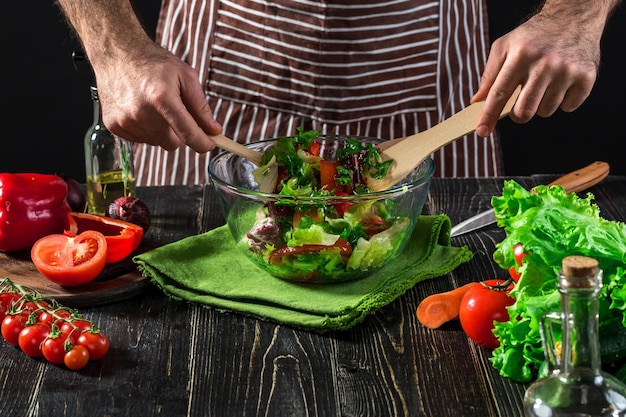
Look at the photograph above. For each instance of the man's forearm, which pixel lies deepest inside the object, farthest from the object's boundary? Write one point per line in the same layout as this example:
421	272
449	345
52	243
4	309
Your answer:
586	14
108	30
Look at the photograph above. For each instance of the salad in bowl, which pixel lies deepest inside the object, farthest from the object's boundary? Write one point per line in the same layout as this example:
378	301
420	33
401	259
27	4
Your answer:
306	213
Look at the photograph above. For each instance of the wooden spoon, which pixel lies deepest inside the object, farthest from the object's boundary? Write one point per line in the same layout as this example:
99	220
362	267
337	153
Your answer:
407	153
238	149
228	144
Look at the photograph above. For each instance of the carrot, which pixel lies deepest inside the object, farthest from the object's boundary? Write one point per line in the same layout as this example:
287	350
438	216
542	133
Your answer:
438	309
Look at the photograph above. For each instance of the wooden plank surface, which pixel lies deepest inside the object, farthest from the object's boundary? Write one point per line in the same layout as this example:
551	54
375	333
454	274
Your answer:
171	358
117	282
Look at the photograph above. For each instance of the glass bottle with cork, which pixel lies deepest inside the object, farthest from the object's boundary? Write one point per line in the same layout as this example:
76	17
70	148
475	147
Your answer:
109	164
576	386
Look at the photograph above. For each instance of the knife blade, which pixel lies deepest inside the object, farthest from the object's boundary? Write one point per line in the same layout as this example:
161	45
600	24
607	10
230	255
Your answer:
575	181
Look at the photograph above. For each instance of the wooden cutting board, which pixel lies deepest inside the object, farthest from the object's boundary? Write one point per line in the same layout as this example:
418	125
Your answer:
117	282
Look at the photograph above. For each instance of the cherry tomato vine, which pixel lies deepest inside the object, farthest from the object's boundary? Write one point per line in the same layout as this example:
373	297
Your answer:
42	327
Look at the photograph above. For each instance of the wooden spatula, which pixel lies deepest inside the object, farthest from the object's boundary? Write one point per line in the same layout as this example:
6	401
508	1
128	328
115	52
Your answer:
238	149
409	152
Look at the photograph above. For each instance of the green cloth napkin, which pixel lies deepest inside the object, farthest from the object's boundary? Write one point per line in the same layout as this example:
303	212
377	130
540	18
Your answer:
209	269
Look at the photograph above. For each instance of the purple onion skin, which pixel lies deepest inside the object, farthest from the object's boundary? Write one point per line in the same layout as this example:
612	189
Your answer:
130	209
76	197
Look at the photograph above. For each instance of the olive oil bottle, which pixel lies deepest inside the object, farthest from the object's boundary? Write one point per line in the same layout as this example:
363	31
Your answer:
576	386
109	163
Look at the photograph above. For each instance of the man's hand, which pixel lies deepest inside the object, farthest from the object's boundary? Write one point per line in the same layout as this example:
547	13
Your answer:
554	56
157	99
146	93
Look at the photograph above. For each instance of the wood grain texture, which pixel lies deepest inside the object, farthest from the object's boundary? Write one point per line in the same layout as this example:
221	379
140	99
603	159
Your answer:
117	282
170	358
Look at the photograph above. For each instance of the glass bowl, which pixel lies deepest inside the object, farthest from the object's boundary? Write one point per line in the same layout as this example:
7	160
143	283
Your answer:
346	237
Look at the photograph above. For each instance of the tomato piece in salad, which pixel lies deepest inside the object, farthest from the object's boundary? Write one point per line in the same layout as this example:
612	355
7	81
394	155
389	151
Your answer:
277	256
314	148
328	173
297	237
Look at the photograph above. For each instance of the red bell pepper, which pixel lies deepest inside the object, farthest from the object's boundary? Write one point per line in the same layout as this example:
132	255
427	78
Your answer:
122	237
31	206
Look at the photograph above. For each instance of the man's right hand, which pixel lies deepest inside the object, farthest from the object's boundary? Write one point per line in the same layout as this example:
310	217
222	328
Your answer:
156	99
147	94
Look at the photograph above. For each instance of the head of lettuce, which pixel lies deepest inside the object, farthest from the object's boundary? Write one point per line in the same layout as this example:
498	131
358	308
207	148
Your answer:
552	224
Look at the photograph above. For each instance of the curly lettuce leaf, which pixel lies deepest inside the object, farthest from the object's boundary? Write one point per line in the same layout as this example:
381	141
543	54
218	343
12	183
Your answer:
381	246
312	235
551	224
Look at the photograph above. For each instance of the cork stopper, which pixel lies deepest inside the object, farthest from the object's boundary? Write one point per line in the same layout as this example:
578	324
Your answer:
579	271
579	266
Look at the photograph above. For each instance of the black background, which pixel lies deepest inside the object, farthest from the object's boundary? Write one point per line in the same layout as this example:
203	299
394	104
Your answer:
46	108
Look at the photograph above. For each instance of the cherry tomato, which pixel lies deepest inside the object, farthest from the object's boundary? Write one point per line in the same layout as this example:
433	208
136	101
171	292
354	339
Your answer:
68	260
55	316
122	237
12	325
74	328
515	276
7	300
96	343
63	313
46	317
31	338
76	358
28	305
480	307
518	252
53	348
36	308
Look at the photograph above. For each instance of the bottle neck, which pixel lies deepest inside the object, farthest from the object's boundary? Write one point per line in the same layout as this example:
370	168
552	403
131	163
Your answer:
97	111
580	345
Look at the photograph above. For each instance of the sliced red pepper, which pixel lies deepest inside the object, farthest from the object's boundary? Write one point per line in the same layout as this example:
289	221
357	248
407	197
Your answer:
122	237
31	206
276	257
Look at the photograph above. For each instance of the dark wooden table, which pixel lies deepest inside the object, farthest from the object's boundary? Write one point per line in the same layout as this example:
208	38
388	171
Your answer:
169	358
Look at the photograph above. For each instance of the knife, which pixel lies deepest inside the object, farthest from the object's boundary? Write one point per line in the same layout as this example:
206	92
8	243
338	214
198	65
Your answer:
575	181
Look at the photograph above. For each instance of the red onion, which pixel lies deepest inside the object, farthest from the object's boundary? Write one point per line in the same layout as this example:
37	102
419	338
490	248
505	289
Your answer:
76	197
130	209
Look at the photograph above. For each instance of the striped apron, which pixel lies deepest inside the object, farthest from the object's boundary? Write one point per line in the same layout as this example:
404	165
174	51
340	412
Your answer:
383	68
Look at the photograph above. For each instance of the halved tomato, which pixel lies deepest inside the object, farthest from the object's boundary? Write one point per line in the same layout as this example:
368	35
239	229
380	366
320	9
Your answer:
122	237
70	260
